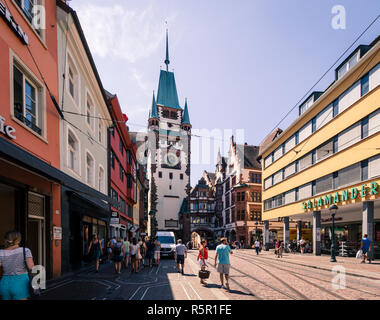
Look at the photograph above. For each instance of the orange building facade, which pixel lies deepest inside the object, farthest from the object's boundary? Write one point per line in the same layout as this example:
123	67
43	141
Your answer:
30	180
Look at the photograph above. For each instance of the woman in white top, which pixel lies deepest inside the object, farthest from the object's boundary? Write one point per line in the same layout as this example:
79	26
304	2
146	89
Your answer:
134	250
15	263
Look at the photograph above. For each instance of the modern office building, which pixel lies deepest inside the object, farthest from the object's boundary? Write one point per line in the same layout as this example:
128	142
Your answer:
330	155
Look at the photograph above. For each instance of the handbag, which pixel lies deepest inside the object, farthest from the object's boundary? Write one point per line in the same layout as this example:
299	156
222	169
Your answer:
359	254
34	293
204	274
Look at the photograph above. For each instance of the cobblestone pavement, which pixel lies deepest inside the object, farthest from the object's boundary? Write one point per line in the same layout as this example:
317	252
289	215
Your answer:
293	277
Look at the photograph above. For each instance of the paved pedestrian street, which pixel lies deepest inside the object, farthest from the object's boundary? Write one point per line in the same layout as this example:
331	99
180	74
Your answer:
263	277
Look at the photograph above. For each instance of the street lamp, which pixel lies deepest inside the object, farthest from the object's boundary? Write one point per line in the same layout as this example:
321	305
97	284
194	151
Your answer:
333	208
256	223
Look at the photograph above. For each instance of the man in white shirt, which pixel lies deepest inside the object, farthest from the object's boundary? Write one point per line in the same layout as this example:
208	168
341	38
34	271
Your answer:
180	253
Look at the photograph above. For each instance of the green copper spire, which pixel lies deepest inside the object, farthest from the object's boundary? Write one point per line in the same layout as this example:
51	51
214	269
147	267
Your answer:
167	61
153	113
185	115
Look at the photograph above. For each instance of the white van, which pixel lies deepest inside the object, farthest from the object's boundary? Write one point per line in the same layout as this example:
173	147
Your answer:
168	242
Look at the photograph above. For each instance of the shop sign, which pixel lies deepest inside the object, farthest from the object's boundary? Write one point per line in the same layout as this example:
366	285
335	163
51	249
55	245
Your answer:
114	221
7	130
348	194
57	233
6	15
114	214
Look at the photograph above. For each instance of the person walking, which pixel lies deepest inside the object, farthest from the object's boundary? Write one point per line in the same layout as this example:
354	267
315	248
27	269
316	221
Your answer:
203	257
180	253
141	255
302	245
157	250
97	251
222	256
150	252
109	250
135	248
280	249
118	254
366	247
127	245
15	262
257	246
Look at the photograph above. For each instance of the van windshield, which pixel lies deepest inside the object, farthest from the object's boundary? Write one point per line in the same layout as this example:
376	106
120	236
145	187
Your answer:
166	239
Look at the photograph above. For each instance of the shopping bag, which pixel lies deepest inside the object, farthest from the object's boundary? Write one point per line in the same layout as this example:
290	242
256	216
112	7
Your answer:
359	254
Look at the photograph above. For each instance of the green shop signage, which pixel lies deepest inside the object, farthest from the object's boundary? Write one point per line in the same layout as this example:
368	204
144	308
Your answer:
346	195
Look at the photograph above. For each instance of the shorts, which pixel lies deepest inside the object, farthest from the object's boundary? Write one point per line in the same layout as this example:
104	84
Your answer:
180	259
224	268
126	255
157	255
117	258
364	251
150	255
14	287
203	263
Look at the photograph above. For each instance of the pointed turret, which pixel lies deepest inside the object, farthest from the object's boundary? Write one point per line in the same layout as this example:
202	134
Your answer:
185	117
185	123
153	113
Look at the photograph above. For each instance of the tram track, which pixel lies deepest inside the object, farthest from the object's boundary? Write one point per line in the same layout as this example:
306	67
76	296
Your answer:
269	261
293	297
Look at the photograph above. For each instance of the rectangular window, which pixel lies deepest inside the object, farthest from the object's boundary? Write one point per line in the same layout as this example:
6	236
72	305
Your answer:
313	156
25	100
297	138
114	195
159	174
335	144
335	108
349	136
364	84
335	180
349	175
181	176
129	157
121	146
313	188
121	173
313	125
364	167
129	181
324	151
324	184
170	175
297	194
364	129
112	160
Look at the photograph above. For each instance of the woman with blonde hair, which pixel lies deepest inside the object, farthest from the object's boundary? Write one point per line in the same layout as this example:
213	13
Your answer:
15	262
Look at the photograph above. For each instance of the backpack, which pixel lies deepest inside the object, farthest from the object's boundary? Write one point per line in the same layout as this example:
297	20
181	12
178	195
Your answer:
117	250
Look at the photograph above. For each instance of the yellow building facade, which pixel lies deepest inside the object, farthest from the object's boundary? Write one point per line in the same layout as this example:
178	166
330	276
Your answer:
330	155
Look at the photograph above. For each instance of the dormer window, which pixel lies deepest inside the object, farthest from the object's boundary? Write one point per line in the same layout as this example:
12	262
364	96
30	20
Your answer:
348	65
306	105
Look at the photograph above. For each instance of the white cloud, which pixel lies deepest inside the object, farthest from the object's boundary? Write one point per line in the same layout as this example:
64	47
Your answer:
115	32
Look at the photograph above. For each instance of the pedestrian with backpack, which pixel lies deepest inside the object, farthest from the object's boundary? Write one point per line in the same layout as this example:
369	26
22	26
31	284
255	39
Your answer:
118	254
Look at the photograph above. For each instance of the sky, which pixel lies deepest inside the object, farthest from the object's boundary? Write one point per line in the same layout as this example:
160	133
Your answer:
241	64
